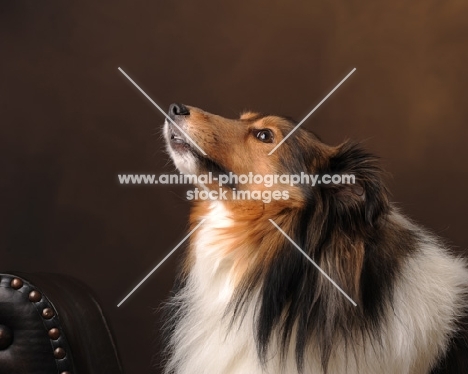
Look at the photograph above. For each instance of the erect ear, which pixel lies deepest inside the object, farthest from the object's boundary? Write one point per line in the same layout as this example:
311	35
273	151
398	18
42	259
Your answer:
365	198
248	115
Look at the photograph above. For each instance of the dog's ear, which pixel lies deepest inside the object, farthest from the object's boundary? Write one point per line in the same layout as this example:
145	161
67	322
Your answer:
365	197
248	115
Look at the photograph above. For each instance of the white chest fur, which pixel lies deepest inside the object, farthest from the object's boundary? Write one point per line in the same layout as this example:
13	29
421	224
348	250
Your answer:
427	299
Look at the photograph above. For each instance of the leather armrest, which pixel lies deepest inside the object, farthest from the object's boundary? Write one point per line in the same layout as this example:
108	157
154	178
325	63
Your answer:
51	323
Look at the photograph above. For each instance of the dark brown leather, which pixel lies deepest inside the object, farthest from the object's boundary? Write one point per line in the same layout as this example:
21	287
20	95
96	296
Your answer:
51	323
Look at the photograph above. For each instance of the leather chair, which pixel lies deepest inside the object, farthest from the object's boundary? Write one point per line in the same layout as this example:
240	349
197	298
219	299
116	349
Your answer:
52	324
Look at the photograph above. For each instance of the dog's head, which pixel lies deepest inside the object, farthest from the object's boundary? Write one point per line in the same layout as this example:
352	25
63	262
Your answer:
200	142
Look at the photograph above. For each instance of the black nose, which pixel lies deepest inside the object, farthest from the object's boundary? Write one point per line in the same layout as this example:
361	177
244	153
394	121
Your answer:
178	110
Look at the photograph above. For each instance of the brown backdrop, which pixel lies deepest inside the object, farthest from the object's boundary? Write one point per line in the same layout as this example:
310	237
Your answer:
70	122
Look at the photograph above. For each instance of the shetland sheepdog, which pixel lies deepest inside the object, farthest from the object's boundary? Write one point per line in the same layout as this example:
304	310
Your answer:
247	301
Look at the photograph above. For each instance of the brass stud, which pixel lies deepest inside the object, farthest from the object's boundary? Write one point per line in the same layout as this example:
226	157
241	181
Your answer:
48	313
54	333
59	353
35	296
16	283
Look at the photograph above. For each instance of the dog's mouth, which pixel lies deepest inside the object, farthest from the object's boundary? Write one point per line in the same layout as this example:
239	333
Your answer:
177	139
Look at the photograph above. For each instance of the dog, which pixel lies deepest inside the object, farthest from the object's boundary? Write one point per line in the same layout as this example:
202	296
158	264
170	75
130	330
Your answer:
385	296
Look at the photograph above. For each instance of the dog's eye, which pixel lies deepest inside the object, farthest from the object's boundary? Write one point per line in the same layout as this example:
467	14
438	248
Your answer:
264	135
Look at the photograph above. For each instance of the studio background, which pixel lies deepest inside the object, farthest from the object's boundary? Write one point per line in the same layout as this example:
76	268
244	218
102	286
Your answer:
70	122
